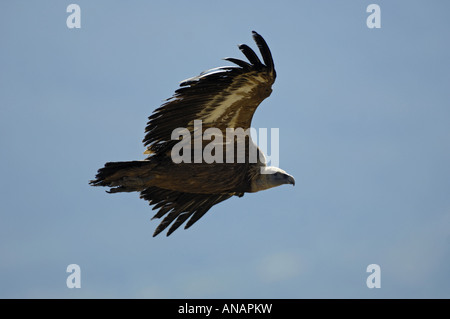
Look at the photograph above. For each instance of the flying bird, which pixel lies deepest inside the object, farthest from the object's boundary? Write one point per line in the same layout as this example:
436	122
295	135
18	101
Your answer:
222	98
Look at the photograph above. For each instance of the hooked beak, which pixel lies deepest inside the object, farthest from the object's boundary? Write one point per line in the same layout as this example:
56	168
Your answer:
291	180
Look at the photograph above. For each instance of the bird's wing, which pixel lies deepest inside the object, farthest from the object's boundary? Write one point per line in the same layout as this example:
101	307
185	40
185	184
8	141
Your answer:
224	97
179	207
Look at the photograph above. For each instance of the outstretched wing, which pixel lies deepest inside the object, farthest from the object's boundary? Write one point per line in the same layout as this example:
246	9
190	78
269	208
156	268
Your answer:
224	97
180	206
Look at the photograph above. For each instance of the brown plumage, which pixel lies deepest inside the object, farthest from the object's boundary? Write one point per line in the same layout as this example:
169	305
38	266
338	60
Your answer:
224	97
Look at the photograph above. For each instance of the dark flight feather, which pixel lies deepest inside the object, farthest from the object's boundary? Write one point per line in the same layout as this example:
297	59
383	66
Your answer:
264	49
242	64
250	54
179	206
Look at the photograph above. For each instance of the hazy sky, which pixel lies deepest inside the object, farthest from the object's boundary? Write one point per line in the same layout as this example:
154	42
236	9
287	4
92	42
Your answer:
363	116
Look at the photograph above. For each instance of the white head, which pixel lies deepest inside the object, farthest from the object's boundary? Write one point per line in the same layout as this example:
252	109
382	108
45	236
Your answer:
271	176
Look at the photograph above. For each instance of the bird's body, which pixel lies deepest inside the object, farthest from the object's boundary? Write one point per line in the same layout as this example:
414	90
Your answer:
186	186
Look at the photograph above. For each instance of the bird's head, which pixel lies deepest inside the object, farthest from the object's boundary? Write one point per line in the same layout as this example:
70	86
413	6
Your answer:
271	176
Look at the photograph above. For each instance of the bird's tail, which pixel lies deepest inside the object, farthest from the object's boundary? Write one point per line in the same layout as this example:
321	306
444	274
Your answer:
124	176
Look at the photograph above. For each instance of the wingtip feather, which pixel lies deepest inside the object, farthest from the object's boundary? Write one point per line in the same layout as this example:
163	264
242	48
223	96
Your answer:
264	49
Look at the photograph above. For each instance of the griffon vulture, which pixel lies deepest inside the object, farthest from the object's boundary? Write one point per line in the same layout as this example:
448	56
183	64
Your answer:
222	98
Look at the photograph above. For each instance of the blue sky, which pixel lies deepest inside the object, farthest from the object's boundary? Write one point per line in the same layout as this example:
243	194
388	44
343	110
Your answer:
364	127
